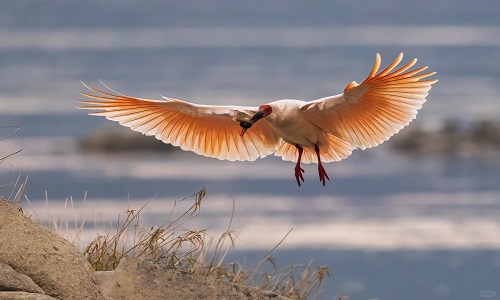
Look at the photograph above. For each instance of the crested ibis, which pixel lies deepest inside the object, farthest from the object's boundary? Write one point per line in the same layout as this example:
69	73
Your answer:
318	131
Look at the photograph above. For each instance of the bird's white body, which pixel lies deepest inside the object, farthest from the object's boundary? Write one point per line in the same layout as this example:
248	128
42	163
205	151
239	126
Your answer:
323	130
289	123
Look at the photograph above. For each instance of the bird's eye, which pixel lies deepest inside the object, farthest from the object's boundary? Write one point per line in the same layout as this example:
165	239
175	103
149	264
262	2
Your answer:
245	124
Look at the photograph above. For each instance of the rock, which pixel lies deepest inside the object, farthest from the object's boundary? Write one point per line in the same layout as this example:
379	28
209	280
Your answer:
49	260
10	280
135	278
24	296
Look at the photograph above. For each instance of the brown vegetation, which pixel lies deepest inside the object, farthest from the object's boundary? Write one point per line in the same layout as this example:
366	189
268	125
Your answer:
482	137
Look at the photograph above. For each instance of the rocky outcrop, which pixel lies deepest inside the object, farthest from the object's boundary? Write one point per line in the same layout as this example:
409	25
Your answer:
52	263
10	280
135	278
24	296
36	264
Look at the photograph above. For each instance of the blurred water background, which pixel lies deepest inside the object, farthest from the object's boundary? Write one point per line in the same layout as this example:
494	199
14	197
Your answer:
389	224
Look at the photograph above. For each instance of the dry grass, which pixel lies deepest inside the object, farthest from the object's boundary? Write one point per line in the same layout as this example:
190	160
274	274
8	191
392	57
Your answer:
190	250
187	250
14	185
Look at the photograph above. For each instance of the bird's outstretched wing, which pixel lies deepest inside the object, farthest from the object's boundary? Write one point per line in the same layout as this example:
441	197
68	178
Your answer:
207	130
368	114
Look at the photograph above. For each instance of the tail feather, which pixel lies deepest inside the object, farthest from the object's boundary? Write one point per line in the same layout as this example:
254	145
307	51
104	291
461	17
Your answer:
335	149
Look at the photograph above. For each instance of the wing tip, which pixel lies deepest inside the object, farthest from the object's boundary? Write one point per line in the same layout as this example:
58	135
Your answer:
376	65
387	75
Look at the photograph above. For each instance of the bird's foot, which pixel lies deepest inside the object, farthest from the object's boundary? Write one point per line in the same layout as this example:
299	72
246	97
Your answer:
298	174
322	174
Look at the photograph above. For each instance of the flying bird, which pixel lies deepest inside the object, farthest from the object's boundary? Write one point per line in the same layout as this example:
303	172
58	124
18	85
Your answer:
319	131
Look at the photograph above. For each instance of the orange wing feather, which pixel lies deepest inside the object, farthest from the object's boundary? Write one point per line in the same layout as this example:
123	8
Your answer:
207	130
368	114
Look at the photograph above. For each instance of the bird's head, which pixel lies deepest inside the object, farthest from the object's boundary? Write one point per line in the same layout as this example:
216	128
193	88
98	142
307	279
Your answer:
264	111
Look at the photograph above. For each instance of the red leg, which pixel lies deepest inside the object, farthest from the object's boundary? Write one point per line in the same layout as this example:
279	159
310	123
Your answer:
321	170
298	169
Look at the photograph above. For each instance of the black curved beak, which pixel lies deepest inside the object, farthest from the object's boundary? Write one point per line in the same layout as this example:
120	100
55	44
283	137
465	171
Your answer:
259	115
245	125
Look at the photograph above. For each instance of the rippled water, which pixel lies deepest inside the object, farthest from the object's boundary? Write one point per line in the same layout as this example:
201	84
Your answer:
381	209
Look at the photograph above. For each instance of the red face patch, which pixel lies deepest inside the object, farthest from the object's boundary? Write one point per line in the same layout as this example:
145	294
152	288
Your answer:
266	109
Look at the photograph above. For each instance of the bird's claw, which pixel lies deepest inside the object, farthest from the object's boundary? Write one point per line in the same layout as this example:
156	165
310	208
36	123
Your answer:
322	174
298	174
